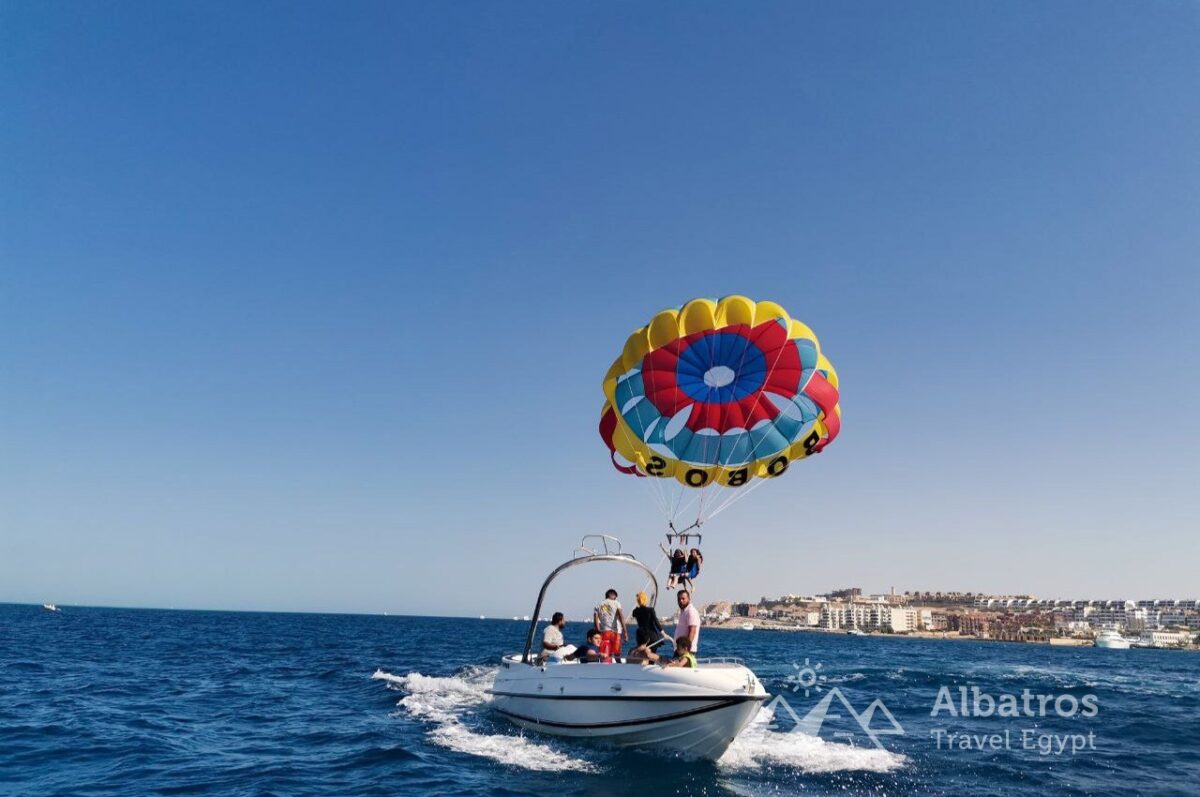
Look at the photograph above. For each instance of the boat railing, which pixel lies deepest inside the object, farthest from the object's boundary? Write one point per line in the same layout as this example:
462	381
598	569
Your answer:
720	660
601	545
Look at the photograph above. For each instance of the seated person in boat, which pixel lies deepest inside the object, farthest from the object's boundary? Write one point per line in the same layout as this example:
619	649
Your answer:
683	656
552	638
588	651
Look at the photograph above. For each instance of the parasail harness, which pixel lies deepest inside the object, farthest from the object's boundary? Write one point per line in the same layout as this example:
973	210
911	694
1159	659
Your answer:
684	538
681	540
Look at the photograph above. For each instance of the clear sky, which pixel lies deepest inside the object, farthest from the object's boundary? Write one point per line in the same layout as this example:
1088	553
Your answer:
307	306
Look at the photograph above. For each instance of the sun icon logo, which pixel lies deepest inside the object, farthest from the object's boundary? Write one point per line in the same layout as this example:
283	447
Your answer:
806	677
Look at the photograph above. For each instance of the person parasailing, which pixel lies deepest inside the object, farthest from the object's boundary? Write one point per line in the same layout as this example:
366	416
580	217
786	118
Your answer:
678	567
692	568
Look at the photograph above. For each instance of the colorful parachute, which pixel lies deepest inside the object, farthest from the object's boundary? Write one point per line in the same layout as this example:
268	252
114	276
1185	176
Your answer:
719	393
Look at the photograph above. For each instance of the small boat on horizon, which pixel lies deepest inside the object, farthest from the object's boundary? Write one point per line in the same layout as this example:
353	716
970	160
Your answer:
50	607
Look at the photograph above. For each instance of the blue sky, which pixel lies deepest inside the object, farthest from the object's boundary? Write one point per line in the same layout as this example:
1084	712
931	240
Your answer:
306	306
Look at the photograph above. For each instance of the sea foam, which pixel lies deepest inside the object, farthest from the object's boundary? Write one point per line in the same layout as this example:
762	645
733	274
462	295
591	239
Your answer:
444	703
758	745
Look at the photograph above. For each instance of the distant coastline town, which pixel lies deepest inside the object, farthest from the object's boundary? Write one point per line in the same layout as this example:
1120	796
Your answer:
1161	623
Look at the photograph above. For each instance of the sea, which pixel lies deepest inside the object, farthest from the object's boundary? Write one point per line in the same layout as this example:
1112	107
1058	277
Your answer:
130	702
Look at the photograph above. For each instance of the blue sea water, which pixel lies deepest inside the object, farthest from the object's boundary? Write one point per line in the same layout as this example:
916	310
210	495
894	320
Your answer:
126	702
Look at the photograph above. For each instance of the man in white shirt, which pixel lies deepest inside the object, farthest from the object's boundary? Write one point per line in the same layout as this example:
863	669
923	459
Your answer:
688	624
552	638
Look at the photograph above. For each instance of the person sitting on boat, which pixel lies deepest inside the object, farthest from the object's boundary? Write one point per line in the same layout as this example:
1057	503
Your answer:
692	567
678	566
687	626
552	638
683	655
649	629
609	620
589	650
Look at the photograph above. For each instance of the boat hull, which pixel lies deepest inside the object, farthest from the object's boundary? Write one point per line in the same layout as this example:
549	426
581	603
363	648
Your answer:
1113	644
694	713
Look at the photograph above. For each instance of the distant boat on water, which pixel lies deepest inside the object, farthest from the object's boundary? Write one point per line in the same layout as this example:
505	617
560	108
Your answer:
50	607
747	626
1112	640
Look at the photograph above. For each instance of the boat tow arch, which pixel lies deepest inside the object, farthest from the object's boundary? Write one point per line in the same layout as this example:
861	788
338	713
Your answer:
592	548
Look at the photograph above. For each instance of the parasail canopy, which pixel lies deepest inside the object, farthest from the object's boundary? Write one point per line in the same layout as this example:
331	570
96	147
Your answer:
719	393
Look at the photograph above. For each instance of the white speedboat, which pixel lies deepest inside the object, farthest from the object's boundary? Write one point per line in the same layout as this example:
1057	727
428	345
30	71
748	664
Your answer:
50	607
1112	640
747	626
694	712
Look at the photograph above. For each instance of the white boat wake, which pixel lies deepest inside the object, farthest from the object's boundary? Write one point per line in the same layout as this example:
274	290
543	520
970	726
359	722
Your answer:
445	702
759	746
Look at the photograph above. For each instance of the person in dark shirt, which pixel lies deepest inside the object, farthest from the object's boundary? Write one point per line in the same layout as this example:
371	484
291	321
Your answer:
649	628
588	651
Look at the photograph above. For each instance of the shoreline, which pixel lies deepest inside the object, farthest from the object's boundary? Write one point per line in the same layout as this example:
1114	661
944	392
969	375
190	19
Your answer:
949	636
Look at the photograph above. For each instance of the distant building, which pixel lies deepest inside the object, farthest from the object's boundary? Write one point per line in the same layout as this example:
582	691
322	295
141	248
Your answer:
899	619
1167	639
719	611
868	616
971	623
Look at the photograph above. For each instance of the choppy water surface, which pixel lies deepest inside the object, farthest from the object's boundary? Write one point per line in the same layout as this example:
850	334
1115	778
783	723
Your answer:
110	701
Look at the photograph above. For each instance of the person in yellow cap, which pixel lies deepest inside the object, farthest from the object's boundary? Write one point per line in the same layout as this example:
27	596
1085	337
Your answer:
649	629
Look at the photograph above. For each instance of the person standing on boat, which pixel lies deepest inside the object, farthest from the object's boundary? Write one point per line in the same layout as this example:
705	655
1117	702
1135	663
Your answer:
552	638
609	620
688	625
649	629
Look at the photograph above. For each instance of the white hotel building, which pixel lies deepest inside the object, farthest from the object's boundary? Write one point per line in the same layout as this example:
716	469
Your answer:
873	616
